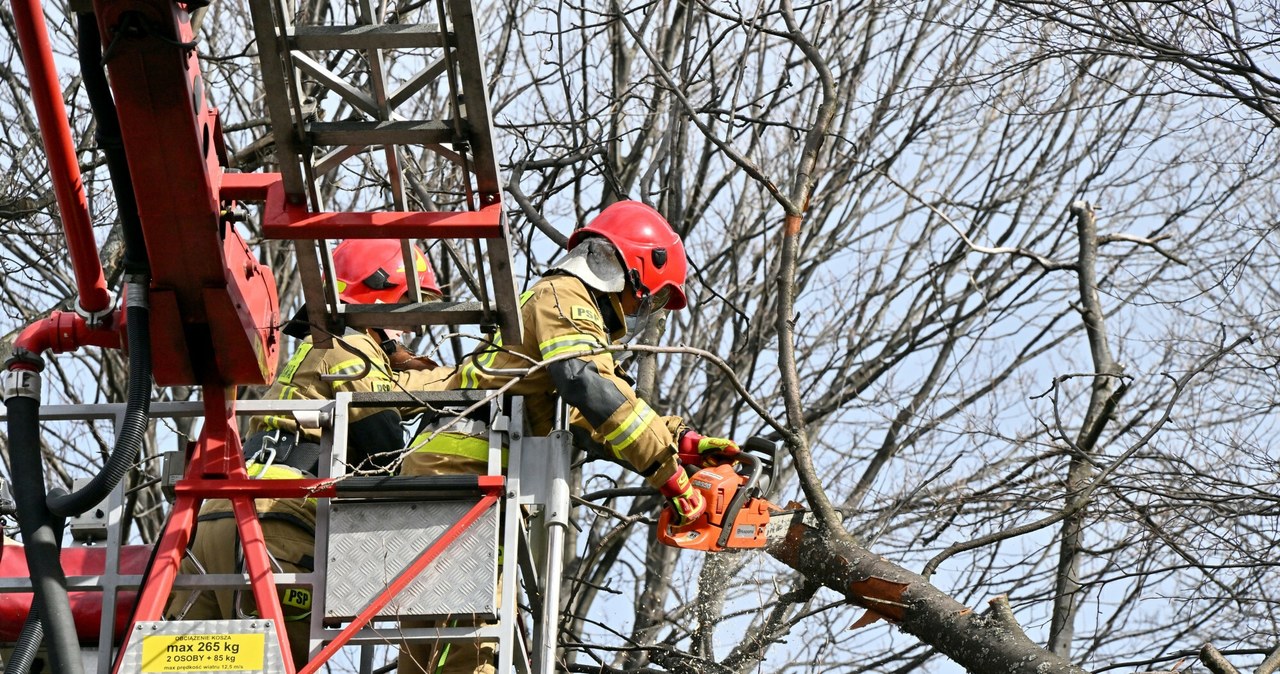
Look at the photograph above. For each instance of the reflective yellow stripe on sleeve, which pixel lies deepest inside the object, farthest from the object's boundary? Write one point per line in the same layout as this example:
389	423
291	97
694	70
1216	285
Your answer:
471	368
626	433
272	421
355	365
291	368
469	373
571	343
455	444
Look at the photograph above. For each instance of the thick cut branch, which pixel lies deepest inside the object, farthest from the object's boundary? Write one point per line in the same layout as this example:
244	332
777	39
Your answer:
1215	661
987	642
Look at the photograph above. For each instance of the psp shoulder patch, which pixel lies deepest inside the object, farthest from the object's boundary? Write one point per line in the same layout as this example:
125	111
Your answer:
583	313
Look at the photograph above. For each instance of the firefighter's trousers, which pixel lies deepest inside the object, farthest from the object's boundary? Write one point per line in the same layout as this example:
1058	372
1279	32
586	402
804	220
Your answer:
217	549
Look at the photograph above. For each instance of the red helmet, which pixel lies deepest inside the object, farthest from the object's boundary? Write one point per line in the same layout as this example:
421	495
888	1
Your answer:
371	271
650	249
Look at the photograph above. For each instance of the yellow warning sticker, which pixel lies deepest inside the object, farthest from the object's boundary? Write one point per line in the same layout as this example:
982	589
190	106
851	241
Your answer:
204	653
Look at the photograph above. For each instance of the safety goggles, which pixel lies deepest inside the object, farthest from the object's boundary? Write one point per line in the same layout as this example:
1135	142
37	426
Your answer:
651	303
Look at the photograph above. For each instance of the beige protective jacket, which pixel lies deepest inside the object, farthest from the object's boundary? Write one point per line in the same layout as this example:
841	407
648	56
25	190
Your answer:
300	380
564	329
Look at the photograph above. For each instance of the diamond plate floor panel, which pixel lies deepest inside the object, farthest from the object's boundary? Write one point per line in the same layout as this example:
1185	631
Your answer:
370	543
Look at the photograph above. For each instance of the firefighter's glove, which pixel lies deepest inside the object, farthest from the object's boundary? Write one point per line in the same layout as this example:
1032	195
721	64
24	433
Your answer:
697	450
686	503
403	359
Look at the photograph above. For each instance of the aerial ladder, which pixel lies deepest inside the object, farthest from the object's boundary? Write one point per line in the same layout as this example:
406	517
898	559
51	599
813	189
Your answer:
199	309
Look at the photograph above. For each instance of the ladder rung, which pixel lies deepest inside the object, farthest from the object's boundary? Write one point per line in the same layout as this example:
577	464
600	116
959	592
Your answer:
380	635
295	223
11	583
415	132
407	316
426	488
386	36
236	581
457	398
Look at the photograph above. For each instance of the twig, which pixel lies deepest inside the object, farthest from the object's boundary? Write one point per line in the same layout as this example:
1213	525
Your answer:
1143	241
1082	498
746	164
1003	250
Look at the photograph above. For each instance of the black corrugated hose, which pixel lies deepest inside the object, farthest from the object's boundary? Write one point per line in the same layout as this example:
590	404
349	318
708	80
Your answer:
111	142
134	427
28	644
41	534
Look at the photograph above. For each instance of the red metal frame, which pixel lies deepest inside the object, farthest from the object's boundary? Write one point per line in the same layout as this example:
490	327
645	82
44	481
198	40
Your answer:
213	306
284	220
64	167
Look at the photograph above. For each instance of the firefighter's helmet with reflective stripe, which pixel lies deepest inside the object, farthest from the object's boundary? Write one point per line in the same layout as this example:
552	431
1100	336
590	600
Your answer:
650	249
371	271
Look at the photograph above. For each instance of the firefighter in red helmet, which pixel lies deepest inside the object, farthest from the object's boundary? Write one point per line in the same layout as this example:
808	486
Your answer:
277	447
367	271
622	267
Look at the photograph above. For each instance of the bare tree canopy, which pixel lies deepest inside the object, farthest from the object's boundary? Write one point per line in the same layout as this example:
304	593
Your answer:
997	276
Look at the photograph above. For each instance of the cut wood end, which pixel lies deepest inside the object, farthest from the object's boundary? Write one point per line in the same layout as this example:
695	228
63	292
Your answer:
1215	661
1002	611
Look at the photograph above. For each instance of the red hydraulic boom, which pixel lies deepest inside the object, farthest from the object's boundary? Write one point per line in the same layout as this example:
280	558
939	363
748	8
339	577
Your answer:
205	311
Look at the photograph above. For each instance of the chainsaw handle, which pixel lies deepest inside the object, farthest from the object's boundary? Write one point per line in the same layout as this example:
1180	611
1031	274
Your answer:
740	497
767	451
753	465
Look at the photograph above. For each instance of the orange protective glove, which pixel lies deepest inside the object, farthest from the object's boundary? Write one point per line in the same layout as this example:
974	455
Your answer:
697	450
685	502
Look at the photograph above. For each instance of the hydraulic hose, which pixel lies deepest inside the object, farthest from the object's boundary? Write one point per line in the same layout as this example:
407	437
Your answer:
28	644
112	143
134	427
41	533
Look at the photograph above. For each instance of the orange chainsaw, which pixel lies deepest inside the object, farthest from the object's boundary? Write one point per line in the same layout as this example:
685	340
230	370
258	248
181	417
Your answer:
737	512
